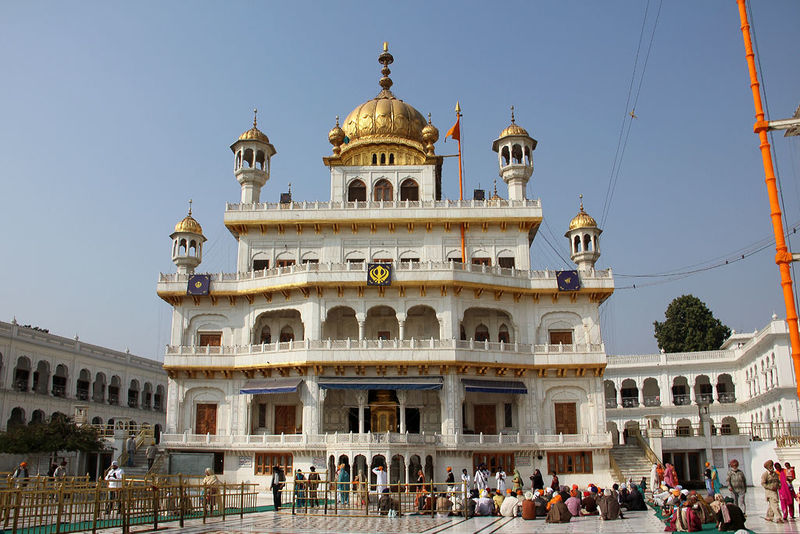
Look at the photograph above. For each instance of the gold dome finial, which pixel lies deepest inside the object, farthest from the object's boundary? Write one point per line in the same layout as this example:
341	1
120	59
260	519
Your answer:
512	114
189	224
385	59
430	134
190	207
255	117
336	137
581	197
582	219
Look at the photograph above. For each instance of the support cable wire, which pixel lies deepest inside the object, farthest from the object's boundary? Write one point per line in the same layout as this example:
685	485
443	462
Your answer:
553	236
772	145
629	115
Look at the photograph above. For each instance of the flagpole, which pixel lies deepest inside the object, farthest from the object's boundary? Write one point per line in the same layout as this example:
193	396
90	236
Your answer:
460	182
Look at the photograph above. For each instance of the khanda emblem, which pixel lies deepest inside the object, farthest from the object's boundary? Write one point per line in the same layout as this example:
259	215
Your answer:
379	274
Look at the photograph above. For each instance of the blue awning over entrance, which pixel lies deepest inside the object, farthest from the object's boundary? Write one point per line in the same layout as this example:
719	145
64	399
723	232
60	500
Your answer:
399	383
270	385
493	386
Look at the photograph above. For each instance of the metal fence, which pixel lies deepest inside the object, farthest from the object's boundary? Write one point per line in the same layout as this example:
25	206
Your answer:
44	505
353	498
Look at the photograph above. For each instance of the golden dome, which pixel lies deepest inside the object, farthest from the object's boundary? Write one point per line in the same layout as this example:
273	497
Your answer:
189	224
513	128
336	135
582	219
254	134
385	118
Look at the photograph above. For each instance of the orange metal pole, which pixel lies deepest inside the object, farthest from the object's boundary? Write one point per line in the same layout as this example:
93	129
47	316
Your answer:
460	182
782	256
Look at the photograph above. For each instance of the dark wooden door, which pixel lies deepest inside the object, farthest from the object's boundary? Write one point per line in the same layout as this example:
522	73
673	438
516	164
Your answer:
485	419
285	420
206	419
566	418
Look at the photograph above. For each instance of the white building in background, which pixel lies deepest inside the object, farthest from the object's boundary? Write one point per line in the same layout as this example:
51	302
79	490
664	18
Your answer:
352	332
712	405
42	375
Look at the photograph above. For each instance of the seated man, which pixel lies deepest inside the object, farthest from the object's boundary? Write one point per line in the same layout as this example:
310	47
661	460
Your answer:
484	505
558	512
635	500
443	504
528	506
729	517
511	505
540	502
574	503
588	504
609	506
386	503
498	502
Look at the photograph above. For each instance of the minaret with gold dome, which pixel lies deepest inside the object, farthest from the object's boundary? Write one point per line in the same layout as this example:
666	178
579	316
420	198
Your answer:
514	150
584	240
251	162
187	243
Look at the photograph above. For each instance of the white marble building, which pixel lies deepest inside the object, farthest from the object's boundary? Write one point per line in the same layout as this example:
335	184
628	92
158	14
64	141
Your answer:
712	405
42	374
295	360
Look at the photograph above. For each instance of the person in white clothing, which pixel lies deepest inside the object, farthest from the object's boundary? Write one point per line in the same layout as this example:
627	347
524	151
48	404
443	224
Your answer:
465	482
480	479
500	476
381	479
114	477
654	480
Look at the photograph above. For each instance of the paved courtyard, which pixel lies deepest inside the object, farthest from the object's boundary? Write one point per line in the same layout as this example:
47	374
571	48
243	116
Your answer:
285	523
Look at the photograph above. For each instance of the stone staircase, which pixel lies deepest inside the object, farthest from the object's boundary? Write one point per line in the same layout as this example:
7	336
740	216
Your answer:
632	463
139	469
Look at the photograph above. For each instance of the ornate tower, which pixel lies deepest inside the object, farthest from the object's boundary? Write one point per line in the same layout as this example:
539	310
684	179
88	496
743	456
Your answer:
584	240
514	150
252	153
187	243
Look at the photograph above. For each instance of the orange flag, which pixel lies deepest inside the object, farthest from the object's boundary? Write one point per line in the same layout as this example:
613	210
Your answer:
455	131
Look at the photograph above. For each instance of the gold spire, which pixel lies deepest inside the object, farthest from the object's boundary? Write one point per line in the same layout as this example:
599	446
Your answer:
582	219
385	59
513	128
458	107
189	224
254	133
512	114
255	118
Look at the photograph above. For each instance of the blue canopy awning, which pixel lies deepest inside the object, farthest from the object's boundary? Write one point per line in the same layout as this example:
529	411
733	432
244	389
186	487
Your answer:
398	383
493	386
270	385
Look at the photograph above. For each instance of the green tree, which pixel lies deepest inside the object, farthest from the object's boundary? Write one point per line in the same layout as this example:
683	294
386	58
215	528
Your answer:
690	326
58	434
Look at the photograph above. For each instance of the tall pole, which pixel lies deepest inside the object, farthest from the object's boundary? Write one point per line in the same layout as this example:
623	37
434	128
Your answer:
782	256
460	181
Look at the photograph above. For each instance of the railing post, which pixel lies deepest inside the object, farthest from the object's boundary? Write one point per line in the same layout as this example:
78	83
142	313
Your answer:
222	504
156	510
241	503
17	503
180	500
60	508
96	506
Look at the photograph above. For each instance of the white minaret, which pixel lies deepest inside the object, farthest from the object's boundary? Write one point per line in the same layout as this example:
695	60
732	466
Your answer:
252	152
514	150
584	240
187	244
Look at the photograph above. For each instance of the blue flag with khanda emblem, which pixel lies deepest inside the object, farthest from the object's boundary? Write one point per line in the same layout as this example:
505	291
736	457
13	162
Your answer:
379	274
198	284
568	280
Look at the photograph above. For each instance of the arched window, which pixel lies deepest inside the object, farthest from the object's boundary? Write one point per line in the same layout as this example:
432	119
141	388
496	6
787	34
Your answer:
516	154
577	244
287	334
383	191
587	242
391	159
357	191
503	334
527	156
462	333
383	159
248	158
505	155
266	336
374	159
481	333
409	190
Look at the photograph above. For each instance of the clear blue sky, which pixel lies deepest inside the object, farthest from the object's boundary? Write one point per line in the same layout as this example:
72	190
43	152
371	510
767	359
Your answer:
113	115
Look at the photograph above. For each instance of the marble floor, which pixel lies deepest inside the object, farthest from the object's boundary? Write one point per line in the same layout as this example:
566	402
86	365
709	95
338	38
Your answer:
284	523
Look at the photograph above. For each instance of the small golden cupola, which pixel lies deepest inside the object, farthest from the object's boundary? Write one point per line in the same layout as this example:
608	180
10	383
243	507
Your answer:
584	240
514	150
383	130
187	243
252	154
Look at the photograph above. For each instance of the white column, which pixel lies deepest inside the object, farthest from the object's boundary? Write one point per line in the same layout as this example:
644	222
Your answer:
402	329
401	399
361	396
361	329
309	395
618	385
641	394
451	397
172	407
321	410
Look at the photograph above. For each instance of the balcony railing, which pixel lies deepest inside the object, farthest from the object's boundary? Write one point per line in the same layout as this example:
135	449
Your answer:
630	402
653	400
681	400
398	268
706	398
611	403
726	397
446	441
382	204
393	344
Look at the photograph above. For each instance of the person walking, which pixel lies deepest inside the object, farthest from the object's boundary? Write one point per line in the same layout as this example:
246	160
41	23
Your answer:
737	484
130	447
670	477
343	477
313	484
537	481
500	480
114	477
20	475
771	482
299	489
278	481
708	480
480	479
784	493
450	481
381	479
211	491
516	480
150	453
